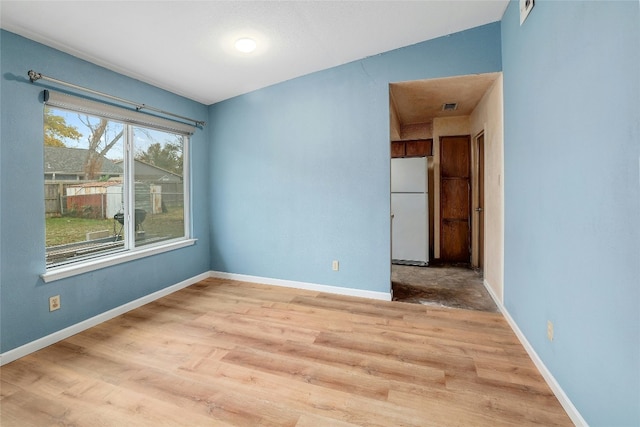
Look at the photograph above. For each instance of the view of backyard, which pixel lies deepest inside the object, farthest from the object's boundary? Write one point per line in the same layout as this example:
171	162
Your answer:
86	159
66	230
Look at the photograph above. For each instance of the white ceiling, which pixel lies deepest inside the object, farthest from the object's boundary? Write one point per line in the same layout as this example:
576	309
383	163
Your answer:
186	47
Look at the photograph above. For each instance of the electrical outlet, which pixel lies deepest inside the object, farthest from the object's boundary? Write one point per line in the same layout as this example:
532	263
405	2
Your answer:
54	303
335	265
550	330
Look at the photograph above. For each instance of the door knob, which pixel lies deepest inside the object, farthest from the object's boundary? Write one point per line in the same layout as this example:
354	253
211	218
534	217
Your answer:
479	209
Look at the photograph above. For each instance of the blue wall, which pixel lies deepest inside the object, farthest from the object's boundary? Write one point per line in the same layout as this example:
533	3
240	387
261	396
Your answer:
24	308
300	170
572	197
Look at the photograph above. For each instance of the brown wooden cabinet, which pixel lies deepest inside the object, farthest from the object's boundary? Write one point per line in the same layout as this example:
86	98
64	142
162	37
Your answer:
419	148
413	148
398	149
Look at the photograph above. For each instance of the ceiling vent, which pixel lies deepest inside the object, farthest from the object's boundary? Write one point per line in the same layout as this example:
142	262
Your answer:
452	106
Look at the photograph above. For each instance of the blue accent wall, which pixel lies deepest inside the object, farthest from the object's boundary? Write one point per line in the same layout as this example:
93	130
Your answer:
572	197
300	170
24	308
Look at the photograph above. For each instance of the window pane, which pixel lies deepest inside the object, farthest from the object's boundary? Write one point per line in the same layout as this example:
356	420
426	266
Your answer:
159	185
83	185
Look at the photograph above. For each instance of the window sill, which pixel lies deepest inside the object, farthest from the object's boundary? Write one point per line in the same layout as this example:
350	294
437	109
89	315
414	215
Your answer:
62	272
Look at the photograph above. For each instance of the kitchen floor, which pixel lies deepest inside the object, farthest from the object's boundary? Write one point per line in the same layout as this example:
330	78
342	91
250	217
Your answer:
441	285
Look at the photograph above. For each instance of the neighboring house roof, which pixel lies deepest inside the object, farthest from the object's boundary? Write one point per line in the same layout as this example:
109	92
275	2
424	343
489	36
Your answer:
153	173
65	160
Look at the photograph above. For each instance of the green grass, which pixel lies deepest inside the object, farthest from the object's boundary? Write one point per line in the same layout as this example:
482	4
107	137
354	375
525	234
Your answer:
65	230
170	223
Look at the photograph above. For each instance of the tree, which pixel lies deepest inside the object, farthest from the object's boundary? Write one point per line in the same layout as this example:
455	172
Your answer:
56	129
167	156
100	142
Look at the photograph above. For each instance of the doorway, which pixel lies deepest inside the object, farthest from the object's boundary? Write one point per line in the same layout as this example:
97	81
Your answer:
417	112
477	239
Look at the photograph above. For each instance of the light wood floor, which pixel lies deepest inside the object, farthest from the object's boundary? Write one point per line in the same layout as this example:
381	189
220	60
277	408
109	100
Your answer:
231	353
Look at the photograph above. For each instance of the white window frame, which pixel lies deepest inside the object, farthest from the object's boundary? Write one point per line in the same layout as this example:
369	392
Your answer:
129	119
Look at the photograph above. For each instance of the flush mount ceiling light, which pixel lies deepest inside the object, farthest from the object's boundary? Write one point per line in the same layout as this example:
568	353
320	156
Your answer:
245	45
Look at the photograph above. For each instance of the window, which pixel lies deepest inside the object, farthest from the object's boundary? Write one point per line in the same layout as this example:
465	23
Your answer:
116	181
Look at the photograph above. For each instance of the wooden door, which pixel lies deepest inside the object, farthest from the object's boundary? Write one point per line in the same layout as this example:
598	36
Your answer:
455	198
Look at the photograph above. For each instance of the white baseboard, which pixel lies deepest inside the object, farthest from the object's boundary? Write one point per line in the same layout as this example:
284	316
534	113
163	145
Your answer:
385	296
53	338
564	400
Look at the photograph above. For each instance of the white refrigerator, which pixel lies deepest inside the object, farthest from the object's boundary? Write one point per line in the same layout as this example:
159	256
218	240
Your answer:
409	210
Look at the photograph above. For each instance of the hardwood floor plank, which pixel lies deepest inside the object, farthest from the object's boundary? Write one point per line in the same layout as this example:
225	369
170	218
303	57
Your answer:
229	353
82	400
25	409
445	409
310	398
337	378
383	367
308	420
256	328
209	399
406	352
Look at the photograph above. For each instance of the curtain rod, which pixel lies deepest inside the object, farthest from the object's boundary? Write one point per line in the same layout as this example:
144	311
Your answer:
33	76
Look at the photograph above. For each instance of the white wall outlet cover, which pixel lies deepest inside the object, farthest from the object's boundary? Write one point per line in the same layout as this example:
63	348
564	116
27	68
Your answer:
525	9
54	303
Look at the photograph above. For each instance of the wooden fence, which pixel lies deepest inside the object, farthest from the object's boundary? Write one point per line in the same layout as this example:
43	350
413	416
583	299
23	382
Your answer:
55	198
54	192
